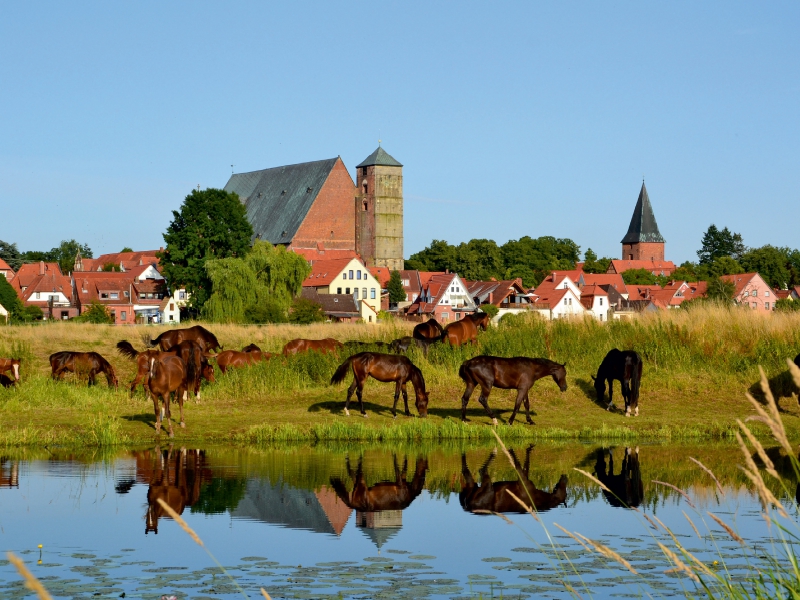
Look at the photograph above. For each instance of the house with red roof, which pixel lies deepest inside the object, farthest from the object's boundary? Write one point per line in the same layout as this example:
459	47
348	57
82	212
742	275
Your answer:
6	270
656	267
443	296
509	296
595	300
752	291
347	276
127	297
558	297
42	284
119	261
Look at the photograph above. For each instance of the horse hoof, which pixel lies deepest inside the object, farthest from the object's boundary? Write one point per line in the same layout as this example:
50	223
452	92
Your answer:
627	414
346	412
364	415
494	422
183	425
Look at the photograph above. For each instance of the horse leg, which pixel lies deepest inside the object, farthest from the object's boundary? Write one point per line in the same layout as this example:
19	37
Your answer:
405	398
527	401
156	409
610	394
92	373
468	393
180	405
626	395
484	400
521	393
350	391
396	396
359	394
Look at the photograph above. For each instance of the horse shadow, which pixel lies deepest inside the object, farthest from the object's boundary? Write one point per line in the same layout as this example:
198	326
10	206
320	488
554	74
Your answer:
587	387
146	418
782	386
336	408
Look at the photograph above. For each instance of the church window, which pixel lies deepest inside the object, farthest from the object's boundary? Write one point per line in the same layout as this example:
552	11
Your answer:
365	206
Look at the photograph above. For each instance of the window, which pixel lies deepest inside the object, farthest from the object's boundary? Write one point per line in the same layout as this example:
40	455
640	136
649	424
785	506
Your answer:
172	306
754	293
113	315
344	275
355	293
351	274
565	301
766	293
338	290
124	315
766	305
125	294
104	295
755	304
370	318
172	317
364	293
358	275
38	295
452	289
601	317
346	290
372	294
601	302
181	295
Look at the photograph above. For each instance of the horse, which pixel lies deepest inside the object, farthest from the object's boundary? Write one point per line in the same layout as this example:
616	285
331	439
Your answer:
461	332
493	497
428	330
386	495
74	362
10	364
325	346
6	381
797	360
251	348
231	359
143	364
481	319
519	373
385	368
626	367
196	361
201	335
168	374
626	488
402	344
174	477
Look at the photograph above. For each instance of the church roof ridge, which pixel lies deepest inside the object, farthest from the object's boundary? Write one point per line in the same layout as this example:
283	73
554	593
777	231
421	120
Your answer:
643	227
380	158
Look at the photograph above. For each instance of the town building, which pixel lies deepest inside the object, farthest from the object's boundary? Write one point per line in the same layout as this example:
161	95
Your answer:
129	297
509	296
339	308
348	276
752	291
5	270
443	296
117	261
42	284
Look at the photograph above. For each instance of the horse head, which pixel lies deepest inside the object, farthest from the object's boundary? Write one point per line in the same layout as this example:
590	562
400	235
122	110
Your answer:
560	376
422	403
15	367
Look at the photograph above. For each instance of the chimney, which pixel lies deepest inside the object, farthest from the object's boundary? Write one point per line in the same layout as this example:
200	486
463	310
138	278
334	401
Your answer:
41	267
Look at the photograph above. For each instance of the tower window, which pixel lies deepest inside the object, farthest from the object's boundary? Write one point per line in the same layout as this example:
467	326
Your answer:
365	206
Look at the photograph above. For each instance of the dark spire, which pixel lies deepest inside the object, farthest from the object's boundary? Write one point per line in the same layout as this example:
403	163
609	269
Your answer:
643	227
379	157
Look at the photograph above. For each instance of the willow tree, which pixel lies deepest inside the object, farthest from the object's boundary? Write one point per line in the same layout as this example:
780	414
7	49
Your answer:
266	275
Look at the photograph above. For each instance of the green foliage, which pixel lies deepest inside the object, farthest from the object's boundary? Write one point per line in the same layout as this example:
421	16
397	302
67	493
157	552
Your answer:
11	254
97	313
108	267
395	288
267	277
126	249
490	309
64	254
212	224
220	495
10	301
592	264
33	313
723	265
720	290
305	312
717	244
639	277
787	305
776	265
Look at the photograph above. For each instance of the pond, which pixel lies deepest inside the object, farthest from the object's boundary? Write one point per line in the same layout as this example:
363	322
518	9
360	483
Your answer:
372	522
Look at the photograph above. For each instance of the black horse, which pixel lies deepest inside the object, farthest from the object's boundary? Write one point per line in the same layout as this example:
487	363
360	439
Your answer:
626	488
430	329
401	345
626	367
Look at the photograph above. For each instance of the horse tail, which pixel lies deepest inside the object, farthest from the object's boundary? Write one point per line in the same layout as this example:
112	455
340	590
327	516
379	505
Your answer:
191	367
636	377
153	342
462	372
341	372
126	349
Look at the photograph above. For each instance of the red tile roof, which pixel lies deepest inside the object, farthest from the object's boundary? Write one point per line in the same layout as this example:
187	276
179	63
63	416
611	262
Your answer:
382	274
740	281
4	266
46	284
323	272
434	285
656	266
30	271
613	279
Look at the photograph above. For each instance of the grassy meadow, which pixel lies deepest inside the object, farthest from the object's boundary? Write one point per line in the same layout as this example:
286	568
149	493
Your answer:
698	366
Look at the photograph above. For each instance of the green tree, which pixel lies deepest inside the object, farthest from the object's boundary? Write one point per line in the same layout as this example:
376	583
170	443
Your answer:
110	267
592	264
395	288
11	302
269	311
97	313
126	249
439	256
639	277
64	254
773	264
716	244
533	259
11	254
720	290
490	309
211	224
33	313
305	312
787	305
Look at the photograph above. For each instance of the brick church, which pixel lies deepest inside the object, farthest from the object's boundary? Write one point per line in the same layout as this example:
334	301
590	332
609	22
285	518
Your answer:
317	206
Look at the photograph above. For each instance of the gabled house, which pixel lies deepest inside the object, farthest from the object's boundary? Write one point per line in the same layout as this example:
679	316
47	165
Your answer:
509	296
443	296
128	298
340	308
557	303
613	280
30	271
52	292
752	291
595	300
120	261
347	276
6	270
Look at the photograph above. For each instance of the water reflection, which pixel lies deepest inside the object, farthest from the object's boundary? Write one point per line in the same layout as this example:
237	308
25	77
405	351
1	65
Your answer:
626	488
9	473
379	508
492	496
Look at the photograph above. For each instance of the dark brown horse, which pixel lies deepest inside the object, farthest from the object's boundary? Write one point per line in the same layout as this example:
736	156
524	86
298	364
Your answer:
461	332
626	488
10	364
6	381
82	362
518	373
404	343
494	497
386	495
481	319
206	340
328	345
251	348
428	330
231	359
177	478
143	364
167	376
385	368
196	361
625	367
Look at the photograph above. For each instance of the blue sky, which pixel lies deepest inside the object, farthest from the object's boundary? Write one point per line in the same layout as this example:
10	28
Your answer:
511	119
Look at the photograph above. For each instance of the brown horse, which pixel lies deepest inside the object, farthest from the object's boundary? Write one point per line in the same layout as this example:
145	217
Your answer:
386	495
231	359
493	497
205	339
10	364
251	348
402	344
428	330
461	332
143	364
176	478
168	375
196	361
518	373
82	362
385	368
481	319
328	345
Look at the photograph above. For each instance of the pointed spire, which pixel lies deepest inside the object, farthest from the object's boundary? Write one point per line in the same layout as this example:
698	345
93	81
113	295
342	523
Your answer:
643	227
379	157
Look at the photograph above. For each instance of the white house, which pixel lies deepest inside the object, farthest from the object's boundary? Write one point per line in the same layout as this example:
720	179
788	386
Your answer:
444	296
3	313
347	276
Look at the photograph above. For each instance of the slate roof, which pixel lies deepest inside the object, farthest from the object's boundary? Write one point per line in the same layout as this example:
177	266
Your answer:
333	305
643	227
278	199
380	158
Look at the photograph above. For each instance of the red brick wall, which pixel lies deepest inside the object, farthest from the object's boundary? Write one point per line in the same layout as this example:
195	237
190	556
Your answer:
643	251
365	219
332	211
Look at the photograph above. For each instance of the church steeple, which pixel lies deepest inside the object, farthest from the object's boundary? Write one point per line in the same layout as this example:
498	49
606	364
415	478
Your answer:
643	240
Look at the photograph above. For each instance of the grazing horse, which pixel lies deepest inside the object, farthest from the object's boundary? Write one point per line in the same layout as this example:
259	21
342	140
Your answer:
481	319
6	381
201	335
251	348
428	330
168	374
626	367
626	488
10	364
196	361
82	362
300	345
404	343
518	373
231	359
143	364
385	368
386	495
493	497
461	332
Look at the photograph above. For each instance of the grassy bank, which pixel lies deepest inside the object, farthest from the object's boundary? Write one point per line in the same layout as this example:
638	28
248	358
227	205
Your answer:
698	365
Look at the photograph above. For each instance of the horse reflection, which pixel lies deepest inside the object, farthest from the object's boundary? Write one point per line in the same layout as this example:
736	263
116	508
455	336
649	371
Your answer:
626	488
386	495
492	496
9	473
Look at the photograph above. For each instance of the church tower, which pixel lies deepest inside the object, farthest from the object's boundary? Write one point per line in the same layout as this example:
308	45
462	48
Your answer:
643	240
379	211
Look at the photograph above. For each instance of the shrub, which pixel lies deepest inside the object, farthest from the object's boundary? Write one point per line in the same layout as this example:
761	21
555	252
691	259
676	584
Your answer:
97	314
305	312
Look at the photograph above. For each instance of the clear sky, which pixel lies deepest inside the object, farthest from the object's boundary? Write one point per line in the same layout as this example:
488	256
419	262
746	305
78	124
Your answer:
511	119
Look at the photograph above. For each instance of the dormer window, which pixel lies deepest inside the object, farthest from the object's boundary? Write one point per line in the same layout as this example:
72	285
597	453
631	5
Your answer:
126	294
114	295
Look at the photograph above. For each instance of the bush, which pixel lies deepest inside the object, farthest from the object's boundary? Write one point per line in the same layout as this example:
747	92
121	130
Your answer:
787	305
490	309
97	314
270	311
305	312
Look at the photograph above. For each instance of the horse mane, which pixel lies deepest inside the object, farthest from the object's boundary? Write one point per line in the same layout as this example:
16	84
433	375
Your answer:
206	332
416	377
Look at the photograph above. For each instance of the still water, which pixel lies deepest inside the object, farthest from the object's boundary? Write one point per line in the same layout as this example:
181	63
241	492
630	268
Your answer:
368	522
